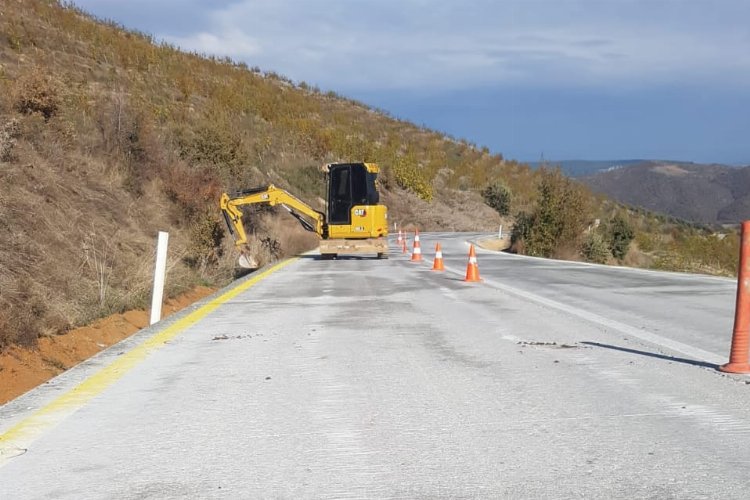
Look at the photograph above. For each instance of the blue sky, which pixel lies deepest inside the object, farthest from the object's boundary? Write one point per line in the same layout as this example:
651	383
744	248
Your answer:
566	79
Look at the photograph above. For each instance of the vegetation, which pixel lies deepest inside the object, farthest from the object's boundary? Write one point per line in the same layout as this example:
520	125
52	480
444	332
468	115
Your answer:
558	222
409	176
595	248
620	235
498	196
697	251
36	93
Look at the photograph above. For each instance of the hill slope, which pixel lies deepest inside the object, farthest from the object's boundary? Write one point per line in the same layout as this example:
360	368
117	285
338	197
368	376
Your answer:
694	192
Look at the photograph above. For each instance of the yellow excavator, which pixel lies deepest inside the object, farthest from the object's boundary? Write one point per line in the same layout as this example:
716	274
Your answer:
354	222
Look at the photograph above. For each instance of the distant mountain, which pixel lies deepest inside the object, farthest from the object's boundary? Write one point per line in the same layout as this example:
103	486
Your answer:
580	168
689	191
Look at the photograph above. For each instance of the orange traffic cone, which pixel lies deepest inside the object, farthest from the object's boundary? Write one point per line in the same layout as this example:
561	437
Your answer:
437	264
400	238
739	355
416	254
472	270
404	248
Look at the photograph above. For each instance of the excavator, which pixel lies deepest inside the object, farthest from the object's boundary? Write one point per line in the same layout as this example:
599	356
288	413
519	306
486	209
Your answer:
354	221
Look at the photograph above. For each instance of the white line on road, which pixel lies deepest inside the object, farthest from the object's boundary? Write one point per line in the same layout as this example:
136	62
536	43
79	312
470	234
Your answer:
693	352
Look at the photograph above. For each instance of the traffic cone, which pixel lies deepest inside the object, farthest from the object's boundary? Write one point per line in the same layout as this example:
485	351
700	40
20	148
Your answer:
740	351
416	254
400	238
437	264
404	248
472	270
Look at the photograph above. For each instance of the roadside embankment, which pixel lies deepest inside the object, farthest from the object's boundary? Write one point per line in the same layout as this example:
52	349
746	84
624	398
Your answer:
23	369
494	243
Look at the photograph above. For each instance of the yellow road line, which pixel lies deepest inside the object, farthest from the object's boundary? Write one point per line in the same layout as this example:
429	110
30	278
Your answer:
16	440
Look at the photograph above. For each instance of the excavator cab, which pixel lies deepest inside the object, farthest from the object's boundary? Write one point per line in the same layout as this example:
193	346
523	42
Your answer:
353	202
349	184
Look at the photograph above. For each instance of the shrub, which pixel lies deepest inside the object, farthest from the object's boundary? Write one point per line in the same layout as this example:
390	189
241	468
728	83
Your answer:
646	242
8	135
498	196
214	146
521	230
206	235
595	249
620	236
37	93
191	189
560	216
21	318
408	176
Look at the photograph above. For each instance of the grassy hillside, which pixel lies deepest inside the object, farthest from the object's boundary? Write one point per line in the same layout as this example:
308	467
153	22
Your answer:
107	137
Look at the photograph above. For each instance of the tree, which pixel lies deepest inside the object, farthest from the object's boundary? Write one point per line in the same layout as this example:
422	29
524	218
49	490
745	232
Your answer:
560	217
498	196
521	230
620	236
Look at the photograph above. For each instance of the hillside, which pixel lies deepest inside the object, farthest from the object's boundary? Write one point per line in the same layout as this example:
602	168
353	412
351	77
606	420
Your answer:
702	193
107	136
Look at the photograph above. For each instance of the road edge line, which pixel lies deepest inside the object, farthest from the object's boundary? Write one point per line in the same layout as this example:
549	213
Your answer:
16	439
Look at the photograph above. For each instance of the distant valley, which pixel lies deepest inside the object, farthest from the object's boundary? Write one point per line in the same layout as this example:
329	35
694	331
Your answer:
695	192
582	168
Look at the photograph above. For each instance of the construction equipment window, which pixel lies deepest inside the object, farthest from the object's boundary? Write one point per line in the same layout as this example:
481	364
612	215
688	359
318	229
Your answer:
340	196
373	198
359	185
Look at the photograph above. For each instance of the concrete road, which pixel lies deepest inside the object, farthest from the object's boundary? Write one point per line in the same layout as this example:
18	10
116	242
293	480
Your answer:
692	314
361	378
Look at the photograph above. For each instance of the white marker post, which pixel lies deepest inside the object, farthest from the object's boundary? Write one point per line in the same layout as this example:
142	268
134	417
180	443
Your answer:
160	272
500	233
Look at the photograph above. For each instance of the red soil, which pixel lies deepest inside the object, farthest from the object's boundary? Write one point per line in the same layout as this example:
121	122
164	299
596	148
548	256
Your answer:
23	369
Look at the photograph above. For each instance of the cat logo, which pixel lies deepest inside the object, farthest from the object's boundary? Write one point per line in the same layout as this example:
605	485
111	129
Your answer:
360	212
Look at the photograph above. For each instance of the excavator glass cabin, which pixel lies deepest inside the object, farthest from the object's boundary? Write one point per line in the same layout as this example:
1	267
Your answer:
349	184
354	209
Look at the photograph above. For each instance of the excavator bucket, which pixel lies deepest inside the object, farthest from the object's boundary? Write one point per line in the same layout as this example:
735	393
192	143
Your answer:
247	261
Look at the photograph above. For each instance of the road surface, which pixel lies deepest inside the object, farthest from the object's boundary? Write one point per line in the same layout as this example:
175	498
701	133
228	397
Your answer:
363	378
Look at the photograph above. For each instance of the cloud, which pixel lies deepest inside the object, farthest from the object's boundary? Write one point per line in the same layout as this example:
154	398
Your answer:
444	44
230	42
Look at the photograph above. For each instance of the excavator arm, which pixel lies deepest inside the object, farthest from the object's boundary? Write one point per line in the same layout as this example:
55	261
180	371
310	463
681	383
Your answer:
231	207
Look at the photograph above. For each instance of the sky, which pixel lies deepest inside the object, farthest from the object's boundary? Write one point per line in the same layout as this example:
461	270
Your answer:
530	79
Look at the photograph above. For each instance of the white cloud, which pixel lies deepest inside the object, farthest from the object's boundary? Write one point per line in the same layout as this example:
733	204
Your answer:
419	44
230	42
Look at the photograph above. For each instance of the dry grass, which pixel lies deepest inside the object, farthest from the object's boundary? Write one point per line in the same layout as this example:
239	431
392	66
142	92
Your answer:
495	244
